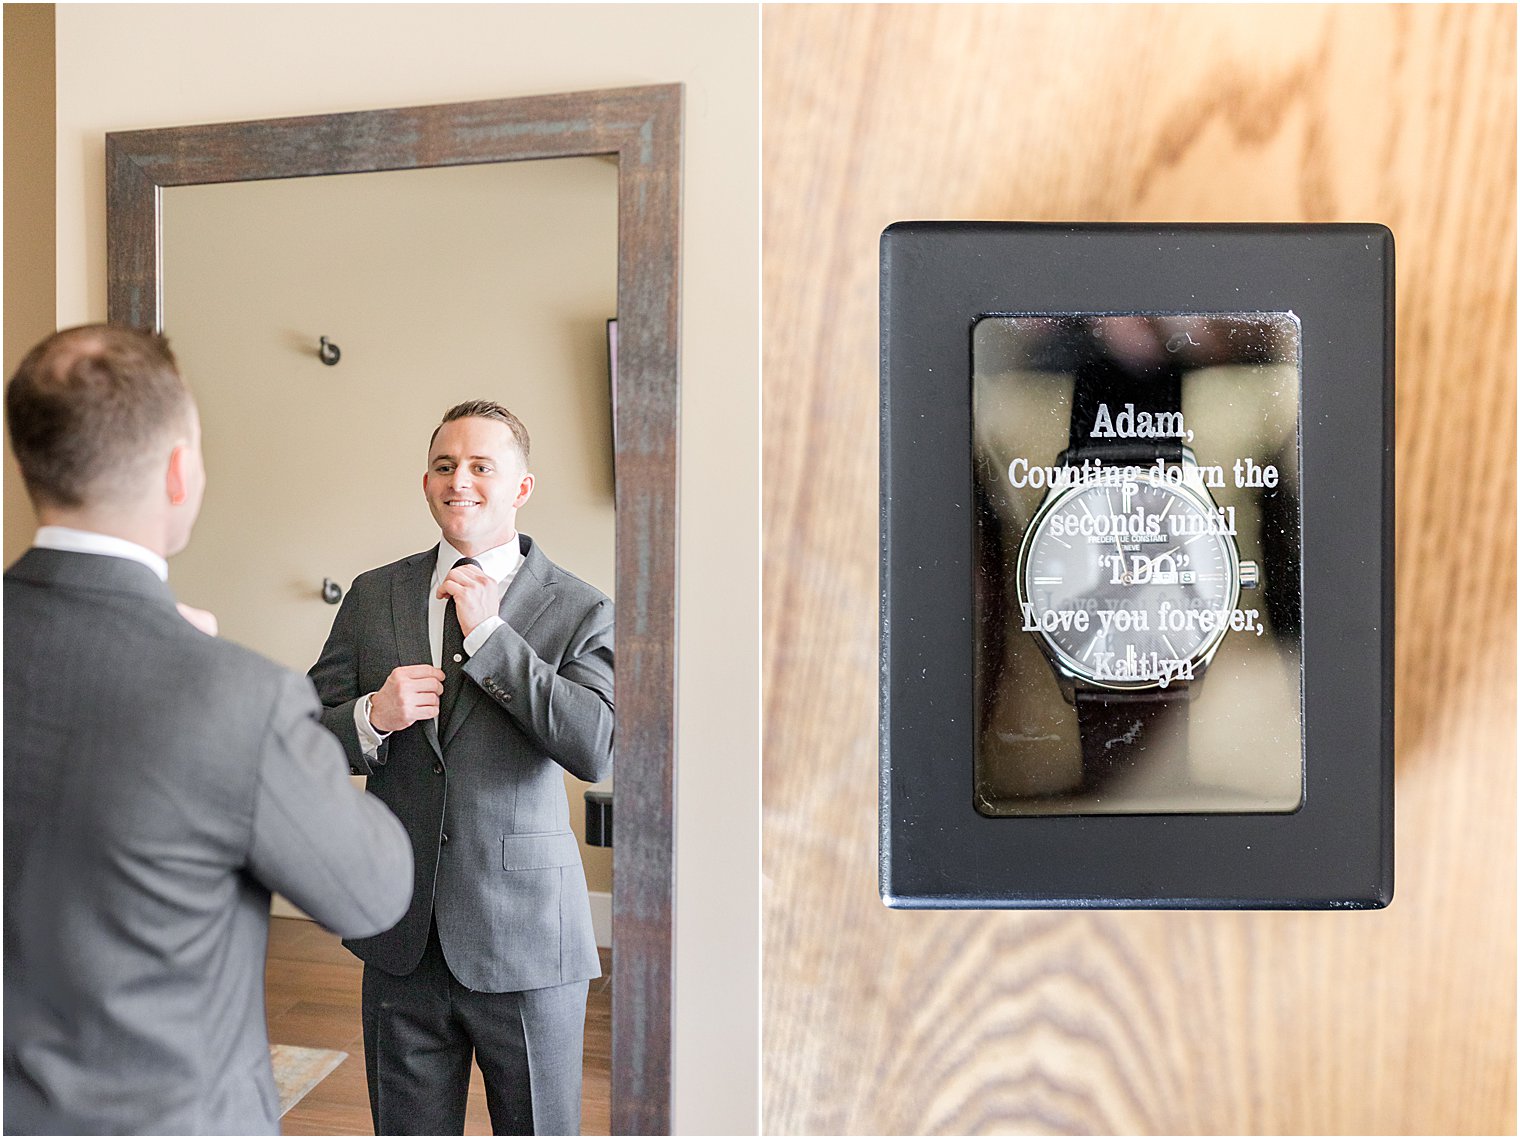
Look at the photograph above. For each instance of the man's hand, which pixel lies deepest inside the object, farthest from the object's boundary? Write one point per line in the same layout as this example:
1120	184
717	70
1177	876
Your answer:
474	594
200	618
410	693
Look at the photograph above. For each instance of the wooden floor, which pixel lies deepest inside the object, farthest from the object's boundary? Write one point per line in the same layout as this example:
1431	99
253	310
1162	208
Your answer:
312	992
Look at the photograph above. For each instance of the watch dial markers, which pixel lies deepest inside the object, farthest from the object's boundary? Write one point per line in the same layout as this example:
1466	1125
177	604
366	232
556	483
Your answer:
1121	578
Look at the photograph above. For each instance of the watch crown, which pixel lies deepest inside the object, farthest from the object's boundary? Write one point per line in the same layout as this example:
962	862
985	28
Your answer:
1250	575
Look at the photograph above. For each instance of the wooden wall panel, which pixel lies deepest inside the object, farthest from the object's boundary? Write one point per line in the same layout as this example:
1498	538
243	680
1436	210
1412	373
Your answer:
1399	1021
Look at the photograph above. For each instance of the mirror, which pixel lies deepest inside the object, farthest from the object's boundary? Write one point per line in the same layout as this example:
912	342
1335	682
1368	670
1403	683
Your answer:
434	254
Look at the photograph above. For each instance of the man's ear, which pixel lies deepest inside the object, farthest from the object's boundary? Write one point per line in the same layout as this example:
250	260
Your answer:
524	491
176	480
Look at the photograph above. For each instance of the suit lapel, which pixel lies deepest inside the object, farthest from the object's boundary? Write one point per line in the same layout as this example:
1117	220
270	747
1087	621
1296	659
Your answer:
409	612
531	592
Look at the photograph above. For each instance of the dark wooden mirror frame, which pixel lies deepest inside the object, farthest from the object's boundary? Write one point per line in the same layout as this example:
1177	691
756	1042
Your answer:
641	127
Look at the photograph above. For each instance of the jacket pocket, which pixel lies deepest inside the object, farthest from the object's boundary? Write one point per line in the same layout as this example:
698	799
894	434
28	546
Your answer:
539	851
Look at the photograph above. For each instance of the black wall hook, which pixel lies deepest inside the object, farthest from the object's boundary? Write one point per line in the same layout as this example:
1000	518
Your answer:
328	352
332	592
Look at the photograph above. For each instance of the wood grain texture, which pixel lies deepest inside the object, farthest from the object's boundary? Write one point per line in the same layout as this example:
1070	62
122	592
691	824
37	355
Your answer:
642	127
1397	1021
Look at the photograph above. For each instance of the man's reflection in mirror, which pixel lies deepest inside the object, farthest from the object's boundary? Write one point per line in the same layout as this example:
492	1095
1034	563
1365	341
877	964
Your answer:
463	680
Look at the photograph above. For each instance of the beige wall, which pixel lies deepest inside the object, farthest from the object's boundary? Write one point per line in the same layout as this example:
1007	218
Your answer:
470	282
131	66
29	200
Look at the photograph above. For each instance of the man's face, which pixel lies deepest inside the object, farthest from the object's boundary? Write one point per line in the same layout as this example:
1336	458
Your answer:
475	483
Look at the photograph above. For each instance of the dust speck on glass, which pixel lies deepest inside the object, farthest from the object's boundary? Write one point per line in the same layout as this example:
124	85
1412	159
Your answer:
1137	554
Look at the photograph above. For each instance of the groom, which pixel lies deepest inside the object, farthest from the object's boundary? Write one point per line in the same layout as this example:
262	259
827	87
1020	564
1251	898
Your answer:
461	680
159	782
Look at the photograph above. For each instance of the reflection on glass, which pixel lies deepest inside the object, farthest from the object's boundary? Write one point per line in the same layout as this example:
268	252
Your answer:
1137	554
440	285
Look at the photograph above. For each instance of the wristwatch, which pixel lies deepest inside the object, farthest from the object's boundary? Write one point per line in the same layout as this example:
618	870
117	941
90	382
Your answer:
1129	574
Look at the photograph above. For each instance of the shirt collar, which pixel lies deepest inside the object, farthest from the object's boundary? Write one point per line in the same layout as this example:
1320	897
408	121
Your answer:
499	563
90	542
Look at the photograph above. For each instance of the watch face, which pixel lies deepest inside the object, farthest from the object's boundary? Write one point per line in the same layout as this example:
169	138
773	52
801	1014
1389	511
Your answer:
1129	583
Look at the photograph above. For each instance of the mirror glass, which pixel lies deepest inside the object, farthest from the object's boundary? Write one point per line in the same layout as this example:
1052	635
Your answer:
1137	564
436	286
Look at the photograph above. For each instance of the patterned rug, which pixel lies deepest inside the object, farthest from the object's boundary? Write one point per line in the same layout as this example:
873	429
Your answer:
298	1070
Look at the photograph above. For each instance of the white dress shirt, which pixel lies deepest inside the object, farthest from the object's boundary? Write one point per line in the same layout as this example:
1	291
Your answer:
90	542
501	564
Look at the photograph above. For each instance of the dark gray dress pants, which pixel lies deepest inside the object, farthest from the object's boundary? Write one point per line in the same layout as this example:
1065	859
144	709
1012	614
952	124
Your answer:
421	1030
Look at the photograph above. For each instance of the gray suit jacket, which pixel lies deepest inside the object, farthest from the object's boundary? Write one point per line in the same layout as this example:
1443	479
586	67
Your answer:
485	805
159	783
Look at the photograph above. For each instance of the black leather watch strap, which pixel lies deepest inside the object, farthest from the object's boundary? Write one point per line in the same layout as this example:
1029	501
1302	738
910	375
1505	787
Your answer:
1102	381
1124	732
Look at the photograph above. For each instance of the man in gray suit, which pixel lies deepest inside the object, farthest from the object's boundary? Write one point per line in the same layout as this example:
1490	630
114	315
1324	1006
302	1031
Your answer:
159	782
462	680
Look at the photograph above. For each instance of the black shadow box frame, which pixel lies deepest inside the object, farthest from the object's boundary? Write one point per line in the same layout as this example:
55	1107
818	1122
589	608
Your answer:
1336	850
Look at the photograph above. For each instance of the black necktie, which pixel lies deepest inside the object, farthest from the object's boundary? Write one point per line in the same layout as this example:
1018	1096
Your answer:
453	655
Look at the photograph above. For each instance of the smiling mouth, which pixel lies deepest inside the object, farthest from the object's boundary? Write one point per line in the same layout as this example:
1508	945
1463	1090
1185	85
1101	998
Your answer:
452	502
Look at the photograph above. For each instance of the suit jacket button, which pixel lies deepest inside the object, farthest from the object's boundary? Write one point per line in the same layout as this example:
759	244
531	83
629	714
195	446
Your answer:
506	698
445	838
437	768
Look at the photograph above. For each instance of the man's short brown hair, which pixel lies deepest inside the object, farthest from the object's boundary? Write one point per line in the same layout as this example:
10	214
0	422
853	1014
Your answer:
486	409
89	410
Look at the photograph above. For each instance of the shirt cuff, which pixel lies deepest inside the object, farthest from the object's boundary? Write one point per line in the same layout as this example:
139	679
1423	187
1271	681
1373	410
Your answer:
370	738
482	633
